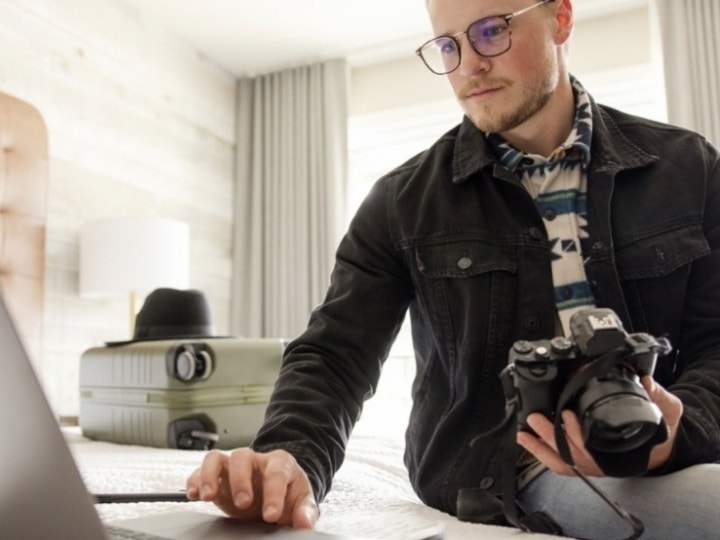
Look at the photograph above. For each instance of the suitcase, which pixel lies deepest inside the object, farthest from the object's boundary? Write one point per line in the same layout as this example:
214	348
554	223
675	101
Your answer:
178	393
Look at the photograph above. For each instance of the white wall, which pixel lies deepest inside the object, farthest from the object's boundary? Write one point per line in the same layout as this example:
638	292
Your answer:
138	124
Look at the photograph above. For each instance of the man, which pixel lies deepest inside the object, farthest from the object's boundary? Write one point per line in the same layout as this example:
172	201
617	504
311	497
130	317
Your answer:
469	236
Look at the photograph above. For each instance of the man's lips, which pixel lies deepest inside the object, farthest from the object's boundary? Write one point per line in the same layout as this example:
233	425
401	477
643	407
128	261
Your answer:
481	93
479	88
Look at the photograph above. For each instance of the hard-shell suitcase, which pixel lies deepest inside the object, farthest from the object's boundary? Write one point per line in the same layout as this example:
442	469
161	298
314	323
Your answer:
178	393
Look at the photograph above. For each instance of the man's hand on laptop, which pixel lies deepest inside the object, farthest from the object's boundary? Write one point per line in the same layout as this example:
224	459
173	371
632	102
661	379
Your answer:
256	486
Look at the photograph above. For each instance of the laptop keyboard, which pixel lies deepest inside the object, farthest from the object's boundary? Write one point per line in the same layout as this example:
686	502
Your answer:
119	533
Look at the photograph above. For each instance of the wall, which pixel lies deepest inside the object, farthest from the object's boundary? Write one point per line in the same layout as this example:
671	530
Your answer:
138	124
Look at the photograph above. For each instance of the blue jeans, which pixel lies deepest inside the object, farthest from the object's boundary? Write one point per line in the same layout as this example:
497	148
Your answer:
684	505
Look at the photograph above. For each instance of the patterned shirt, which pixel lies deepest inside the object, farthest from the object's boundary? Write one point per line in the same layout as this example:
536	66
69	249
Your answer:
558	184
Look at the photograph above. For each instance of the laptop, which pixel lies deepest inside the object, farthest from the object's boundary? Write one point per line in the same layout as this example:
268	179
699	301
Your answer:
43	496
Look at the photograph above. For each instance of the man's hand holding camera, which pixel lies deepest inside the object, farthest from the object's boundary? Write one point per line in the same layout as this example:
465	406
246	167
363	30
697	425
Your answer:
587	403
544	447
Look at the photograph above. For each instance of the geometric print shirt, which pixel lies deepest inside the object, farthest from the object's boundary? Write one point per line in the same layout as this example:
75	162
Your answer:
558	184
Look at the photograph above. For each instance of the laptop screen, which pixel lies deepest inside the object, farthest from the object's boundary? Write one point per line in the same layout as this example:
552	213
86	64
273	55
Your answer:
42	494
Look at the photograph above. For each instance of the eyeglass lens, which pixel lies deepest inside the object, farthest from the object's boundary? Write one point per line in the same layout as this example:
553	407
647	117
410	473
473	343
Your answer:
488	37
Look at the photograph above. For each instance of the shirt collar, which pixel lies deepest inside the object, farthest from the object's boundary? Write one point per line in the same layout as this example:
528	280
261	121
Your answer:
577	144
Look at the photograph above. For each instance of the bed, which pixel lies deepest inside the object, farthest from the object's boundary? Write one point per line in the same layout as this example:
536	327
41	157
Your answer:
371	496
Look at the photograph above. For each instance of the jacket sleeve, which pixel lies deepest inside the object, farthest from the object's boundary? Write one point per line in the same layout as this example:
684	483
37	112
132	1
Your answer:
329	370
697	381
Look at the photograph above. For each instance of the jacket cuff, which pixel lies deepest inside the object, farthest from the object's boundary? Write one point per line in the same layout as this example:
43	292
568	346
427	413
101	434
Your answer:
695	442
320	483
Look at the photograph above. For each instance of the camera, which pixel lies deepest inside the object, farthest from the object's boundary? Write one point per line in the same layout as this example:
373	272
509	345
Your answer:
596	373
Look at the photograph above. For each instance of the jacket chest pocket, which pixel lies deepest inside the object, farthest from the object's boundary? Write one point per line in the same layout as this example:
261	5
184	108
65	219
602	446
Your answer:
661	254
654	272
463	259
467	289
466	297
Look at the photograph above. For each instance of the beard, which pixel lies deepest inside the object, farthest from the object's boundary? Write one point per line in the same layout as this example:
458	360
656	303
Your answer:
502	117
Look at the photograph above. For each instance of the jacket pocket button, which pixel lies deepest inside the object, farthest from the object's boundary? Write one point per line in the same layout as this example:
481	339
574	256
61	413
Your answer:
464	263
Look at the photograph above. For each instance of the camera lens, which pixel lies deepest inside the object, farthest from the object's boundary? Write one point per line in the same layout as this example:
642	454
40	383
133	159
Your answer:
618	438
616	413
612	434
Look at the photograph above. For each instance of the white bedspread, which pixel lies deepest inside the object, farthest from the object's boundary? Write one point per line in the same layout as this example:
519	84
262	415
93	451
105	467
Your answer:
371	495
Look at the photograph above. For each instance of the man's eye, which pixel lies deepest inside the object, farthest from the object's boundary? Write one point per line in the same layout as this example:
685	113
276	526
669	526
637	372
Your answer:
448	48
491	31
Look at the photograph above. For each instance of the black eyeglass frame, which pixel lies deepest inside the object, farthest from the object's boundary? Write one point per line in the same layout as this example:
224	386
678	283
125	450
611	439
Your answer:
454	37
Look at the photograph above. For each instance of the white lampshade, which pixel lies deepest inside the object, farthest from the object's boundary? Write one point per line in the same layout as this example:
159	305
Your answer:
133	255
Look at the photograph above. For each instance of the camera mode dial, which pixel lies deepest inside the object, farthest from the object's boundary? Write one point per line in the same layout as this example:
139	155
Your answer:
561	345
523	347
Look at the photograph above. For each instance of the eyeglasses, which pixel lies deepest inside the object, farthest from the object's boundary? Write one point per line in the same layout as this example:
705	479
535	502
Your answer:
488	37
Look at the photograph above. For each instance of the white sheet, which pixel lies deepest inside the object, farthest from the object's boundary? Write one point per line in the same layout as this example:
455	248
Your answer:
371	495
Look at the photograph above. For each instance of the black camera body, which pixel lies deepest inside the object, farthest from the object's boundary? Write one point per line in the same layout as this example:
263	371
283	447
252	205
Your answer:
595	372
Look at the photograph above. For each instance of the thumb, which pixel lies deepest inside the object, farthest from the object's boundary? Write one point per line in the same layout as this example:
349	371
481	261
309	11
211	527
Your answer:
669	404
671	408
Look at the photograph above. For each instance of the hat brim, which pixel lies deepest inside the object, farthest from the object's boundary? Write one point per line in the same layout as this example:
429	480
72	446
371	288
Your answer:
163	338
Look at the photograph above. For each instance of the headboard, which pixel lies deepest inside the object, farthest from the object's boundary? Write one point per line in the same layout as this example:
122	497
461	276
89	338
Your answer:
23	207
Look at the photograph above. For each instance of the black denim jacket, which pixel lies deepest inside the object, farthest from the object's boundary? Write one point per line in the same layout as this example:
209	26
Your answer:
454	237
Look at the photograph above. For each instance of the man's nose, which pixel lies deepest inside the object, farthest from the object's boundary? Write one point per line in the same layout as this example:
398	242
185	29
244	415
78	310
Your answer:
470	61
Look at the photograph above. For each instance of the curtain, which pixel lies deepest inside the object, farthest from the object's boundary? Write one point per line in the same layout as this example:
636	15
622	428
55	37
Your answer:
690	32
290	178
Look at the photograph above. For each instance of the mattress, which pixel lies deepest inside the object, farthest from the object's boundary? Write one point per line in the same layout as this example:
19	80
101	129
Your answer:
371	494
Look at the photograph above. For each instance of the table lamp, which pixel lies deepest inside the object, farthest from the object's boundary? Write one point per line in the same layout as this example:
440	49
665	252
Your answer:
133	255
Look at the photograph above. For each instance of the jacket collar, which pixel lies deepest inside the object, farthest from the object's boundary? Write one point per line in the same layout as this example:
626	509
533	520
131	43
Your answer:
611	149
472	152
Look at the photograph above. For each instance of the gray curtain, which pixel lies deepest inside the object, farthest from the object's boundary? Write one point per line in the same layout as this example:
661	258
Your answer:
690	32
291	173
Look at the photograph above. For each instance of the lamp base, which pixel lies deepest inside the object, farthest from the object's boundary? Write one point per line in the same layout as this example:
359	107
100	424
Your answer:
134	306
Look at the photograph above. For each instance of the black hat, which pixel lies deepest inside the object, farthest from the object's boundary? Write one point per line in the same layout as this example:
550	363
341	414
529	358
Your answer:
172	313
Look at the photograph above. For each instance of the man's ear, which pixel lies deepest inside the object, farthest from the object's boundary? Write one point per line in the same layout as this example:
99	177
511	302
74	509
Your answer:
565	20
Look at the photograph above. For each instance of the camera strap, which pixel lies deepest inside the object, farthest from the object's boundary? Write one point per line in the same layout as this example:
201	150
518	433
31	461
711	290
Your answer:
597	369
540	522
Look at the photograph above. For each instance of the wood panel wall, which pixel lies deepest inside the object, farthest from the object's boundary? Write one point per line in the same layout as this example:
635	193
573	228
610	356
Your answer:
138	125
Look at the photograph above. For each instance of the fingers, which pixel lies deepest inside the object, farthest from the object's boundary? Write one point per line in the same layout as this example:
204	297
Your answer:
245	484
581	456
241	477
306	512
287	494
543	452
544	447
669	404
203	482
672	409
299	506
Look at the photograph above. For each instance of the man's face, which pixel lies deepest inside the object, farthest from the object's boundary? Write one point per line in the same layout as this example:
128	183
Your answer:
502	93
